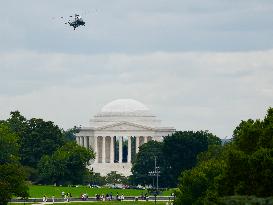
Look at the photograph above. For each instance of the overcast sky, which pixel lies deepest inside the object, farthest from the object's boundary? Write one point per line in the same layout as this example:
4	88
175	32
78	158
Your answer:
197	64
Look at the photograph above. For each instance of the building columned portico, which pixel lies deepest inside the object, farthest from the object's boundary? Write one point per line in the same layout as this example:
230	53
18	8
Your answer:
116	133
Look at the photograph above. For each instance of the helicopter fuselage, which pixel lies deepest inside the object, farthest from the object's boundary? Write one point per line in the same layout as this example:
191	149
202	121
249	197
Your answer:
76	23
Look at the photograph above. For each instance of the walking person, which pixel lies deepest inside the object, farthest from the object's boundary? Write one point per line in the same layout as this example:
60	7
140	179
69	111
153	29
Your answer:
62	194
44	198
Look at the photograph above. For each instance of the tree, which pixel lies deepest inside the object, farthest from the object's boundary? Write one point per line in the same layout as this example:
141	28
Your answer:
246	135
248	174
38	141
181	150
242	167
214	151
115	178
12	175
67	165
250	161
95	178
197	185
36	137
17	123
9	146
70	134
144	162
12	182
43	138
261	168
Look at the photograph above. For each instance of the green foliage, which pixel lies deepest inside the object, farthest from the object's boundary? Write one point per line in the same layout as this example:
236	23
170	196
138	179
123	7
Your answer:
242	167
115	178
32	174
12	175
70	134
42	138
252	135
261	169
214	152
8	145
197	186
17	123
67	165
94	179
243	200
36	136
246	135
212	139
44	143
12	182
175	154
181	150
248	174
145	162
250	159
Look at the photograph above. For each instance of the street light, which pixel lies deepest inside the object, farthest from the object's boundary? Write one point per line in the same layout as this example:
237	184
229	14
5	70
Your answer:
155	173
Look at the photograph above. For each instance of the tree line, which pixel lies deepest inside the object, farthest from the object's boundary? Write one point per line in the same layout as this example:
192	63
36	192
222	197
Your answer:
40	152
203	170
175	154
243	167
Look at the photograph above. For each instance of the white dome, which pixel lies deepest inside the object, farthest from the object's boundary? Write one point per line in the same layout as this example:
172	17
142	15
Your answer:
124	106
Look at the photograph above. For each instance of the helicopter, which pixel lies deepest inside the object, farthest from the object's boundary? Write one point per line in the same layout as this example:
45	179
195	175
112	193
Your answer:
78	21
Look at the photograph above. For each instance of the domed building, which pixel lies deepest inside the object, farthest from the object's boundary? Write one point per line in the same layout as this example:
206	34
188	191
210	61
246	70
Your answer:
117	132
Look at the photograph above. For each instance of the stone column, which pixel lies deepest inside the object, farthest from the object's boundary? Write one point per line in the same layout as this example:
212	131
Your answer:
96	148
137	144
82	141
77	140
103	149
129	150
145	139
112	149
85	142
154	138
90	143
120	149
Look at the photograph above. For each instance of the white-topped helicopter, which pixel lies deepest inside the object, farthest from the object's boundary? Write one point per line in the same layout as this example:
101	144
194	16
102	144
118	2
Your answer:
76	22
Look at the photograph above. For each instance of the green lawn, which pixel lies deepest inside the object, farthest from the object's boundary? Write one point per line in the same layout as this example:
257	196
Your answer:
110	203
19	203
36	191
118	203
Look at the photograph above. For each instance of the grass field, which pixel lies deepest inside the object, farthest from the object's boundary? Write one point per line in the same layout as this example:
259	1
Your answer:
110	203
37	191
124	203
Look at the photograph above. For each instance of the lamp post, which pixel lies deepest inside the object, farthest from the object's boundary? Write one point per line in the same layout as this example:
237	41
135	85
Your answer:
155	173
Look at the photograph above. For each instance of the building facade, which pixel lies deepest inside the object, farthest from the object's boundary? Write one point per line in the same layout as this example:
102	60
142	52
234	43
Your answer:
116	133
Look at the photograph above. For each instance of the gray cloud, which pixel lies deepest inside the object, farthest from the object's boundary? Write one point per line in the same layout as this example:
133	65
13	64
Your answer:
197	64
138	26
189	90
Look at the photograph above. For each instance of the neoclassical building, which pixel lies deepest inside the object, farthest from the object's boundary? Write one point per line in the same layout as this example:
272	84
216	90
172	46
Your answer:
117	132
